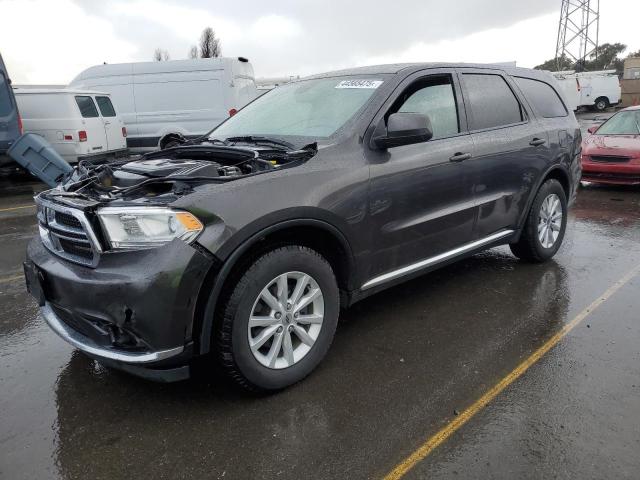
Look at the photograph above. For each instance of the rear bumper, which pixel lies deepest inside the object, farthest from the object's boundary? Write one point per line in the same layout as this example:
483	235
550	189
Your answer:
135	311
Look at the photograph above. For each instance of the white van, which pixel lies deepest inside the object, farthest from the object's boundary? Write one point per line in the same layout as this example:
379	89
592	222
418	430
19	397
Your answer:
598	90
186	97
78	124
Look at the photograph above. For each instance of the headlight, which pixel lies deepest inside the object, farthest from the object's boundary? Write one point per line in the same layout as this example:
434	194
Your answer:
143	227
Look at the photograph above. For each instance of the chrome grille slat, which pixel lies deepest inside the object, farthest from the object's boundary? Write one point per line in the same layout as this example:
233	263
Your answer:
67	233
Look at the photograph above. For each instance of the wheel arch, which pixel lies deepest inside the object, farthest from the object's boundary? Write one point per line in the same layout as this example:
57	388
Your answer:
319	235
557	172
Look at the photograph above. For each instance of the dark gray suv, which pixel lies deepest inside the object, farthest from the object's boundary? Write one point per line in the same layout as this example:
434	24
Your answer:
243	245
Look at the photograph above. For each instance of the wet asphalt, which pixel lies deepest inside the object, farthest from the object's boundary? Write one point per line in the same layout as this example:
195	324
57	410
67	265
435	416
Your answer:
402	364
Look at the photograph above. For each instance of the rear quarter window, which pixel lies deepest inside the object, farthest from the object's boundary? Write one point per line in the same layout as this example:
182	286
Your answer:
491	101
543	97
87	107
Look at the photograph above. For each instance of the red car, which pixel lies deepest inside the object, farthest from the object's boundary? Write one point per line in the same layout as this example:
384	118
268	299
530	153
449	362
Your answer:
611	154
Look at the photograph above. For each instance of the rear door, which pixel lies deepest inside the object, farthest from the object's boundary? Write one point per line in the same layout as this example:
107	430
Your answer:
96	138
9	119
509	150
113	126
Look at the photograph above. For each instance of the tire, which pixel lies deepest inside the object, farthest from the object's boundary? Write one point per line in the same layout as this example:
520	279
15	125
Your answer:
530	247
601	104
250	368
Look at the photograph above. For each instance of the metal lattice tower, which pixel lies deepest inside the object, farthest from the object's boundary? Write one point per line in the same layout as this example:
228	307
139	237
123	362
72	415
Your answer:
578	31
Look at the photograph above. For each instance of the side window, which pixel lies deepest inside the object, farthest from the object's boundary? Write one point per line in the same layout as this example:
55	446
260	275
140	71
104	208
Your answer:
106	107
87	107
6	106
543	96
491	101
434	97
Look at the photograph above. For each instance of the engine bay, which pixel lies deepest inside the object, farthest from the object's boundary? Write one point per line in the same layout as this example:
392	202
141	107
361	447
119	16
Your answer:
176	171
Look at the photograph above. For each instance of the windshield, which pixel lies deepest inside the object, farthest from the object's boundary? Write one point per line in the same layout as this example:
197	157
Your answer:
311	108
623	123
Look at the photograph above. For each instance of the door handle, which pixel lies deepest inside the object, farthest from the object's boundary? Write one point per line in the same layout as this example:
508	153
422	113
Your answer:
459	157
536	142
107	123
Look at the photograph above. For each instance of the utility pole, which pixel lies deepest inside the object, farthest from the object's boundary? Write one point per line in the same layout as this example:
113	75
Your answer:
578	31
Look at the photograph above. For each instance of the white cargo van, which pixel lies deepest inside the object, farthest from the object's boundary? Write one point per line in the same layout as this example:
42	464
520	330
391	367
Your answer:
598	90
186	97
79	124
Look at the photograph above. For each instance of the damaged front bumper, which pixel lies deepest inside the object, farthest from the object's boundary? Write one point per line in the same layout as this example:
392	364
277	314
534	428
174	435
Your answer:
134	311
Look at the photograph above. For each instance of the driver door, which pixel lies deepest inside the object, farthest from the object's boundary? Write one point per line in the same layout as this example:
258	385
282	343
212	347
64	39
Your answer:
421	198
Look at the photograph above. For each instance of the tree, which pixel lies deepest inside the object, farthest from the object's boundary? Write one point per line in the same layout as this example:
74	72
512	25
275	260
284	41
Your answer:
209	44
556	64
193	52
605	57
160	55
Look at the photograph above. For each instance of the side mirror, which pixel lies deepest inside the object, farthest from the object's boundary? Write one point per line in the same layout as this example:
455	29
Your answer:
593	129
402	129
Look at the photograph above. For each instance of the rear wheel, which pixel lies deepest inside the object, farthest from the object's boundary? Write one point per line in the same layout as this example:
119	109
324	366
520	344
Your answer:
279	319
601	104
545	225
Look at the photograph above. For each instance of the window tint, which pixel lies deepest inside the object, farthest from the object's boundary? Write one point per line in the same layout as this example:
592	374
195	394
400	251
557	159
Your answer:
6	106
433	97
491	101
87	107
106	107
543	97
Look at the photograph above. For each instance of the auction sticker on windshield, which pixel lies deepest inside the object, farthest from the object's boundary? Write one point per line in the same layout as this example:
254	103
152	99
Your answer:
359	84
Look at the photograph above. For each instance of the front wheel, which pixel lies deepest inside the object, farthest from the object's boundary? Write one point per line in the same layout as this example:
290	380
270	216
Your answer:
279	319
545	225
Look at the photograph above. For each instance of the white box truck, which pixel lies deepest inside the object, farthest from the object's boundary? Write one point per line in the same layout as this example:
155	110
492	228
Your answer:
160	99
79	124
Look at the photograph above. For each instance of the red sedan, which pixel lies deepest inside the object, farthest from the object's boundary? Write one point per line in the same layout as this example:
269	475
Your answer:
611	154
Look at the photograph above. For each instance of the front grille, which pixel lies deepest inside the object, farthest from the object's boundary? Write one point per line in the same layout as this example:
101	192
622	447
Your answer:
609	158
67	220
67	233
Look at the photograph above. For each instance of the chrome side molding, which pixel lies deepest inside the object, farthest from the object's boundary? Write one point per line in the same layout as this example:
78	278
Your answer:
434	260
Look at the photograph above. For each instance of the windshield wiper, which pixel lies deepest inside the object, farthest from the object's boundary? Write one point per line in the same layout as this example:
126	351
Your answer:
259	139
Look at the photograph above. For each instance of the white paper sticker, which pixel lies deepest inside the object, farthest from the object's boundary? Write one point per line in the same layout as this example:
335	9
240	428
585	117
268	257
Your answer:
359	84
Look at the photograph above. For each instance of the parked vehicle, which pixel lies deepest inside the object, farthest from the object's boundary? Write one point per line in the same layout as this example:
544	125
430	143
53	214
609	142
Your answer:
611	154
163	101
79	124
596	90
247	243
10	122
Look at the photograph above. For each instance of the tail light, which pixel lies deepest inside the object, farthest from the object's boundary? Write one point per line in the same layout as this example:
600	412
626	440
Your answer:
82	136
578	84
124	132
232	112
68	137
20	129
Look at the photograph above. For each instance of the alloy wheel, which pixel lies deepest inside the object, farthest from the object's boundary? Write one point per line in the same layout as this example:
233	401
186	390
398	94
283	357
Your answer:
550	220
286	320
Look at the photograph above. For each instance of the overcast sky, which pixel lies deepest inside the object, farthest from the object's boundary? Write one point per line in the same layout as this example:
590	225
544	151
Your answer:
51	41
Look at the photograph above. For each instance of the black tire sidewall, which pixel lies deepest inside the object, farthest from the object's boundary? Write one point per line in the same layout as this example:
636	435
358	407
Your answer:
283	260
548	188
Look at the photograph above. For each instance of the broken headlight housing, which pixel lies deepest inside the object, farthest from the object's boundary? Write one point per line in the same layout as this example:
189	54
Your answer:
145	227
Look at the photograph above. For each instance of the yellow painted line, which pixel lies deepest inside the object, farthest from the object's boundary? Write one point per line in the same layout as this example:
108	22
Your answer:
442	435
11	279
16	208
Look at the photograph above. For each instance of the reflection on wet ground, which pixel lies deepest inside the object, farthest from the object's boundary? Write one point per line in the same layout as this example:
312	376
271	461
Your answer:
402	362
